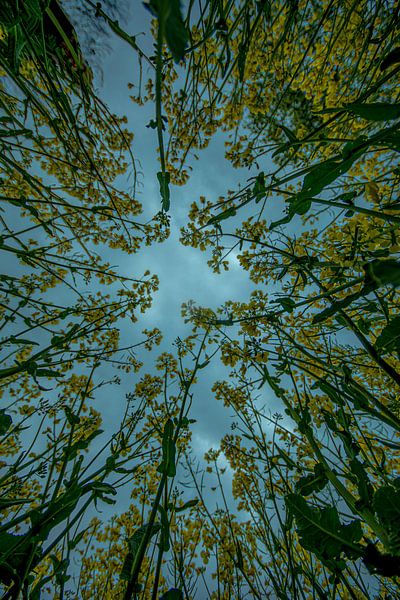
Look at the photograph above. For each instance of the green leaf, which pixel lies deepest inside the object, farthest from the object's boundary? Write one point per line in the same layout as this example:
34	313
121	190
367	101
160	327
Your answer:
382	272
259	187
229	212
386	504
47	373
59	569
389	339
315	482
289	133
15	551
7	502
170	19
100	487
173	594
241	60
287	303
364	486
43	522
334	308
375	111
391	139
224	322
5	422
72	544
321	531
72	451
164	179
71	418
326	173
390	59
299	205
377	273
168	451
15	340
188	504
133	547
164	538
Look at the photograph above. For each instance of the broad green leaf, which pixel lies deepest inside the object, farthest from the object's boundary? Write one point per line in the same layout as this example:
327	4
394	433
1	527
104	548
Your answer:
163	179
298	205
387	507
381	563
391	139
133	546
224	322
59	569
321	531
375	111
322	175
287	303
169	15
315	482
382	272
5	422
389	339
390	59
73	450
331	391
364	486
335	307
14	551
241	60
72	544
326	173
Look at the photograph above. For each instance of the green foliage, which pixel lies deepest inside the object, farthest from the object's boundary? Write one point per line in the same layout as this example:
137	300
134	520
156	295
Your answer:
322	533
169	15
172	594
377	111
5	422
315	482
163	179
168	465
133	546
313	87
389	338
387	507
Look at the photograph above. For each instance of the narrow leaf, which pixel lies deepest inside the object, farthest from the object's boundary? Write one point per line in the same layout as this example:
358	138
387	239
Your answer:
375	111
163	179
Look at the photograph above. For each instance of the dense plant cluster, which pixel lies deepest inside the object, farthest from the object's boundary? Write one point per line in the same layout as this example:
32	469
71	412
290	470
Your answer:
302	497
